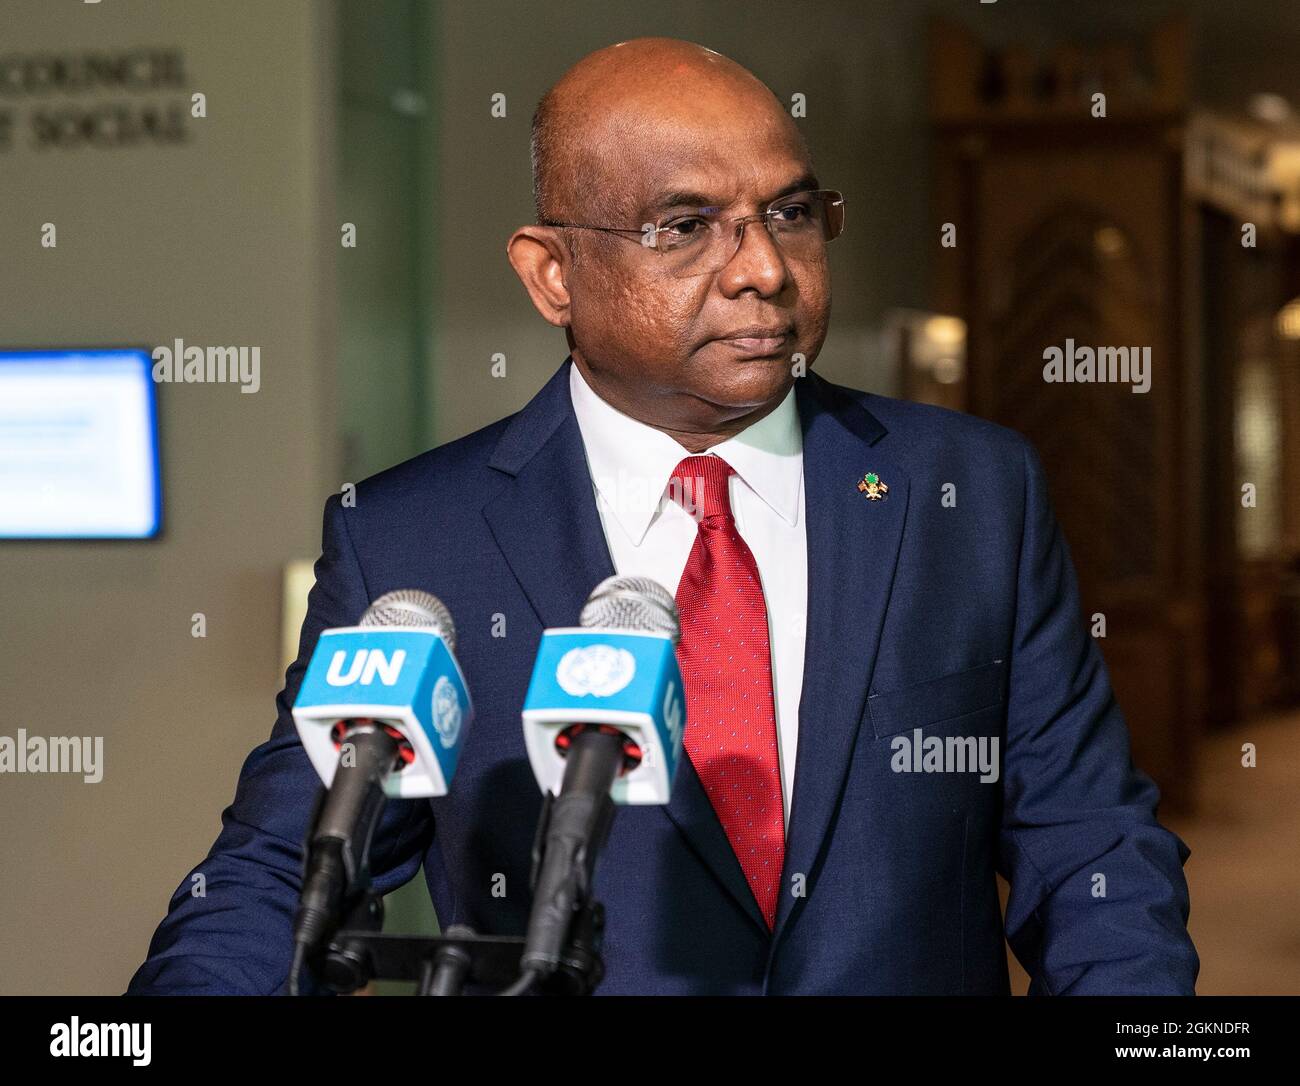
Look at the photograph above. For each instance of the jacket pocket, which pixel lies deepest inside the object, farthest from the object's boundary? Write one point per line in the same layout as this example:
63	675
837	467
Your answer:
936	700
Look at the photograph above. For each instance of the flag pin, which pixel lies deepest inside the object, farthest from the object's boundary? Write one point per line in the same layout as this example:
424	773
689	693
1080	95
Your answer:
871	485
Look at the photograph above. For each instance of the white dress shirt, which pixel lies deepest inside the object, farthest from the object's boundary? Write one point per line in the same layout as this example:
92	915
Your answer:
651	535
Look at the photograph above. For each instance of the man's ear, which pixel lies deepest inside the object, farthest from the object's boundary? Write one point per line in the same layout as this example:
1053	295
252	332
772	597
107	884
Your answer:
542	261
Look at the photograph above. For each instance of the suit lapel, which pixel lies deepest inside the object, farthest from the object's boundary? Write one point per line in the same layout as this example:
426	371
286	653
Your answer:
545	518
546	523
853	548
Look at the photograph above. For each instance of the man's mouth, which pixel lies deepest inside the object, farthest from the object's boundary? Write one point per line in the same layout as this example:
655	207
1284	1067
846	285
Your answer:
756	341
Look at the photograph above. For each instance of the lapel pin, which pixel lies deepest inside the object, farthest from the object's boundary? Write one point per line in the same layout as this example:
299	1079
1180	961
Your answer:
871	485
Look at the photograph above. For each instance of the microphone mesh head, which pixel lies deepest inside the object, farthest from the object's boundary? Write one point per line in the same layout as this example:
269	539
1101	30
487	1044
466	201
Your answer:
412	607
632	603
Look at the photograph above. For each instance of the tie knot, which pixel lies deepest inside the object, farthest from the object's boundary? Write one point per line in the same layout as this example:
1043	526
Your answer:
699	485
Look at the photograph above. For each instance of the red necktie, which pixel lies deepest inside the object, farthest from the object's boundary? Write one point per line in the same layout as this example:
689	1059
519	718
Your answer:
727	669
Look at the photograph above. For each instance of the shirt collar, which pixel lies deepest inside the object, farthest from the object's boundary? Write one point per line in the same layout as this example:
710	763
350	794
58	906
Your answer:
631	462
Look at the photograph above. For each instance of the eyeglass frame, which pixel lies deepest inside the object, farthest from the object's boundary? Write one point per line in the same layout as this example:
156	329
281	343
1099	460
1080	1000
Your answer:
741	221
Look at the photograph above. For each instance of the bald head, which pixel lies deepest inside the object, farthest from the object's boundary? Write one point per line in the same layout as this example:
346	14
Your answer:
702	335
617	95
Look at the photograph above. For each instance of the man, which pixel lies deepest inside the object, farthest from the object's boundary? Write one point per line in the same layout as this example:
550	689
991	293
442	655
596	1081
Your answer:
819	838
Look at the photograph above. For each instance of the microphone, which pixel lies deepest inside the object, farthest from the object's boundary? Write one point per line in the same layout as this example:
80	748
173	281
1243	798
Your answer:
603	723
381	712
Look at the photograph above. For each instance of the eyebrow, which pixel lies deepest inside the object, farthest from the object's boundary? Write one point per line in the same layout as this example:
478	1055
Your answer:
702	202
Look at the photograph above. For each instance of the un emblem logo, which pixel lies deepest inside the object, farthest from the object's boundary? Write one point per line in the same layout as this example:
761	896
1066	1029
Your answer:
446	711
598	670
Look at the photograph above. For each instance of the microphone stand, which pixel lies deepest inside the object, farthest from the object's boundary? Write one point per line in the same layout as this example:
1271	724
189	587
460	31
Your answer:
447	964
571	922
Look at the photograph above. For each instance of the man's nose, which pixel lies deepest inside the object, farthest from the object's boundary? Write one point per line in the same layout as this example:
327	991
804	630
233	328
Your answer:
756	264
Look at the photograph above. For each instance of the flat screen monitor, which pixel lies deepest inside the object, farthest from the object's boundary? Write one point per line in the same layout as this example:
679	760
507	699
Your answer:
79	445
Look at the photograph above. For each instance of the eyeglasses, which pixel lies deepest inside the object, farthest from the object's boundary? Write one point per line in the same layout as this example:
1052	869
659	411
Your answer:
703	242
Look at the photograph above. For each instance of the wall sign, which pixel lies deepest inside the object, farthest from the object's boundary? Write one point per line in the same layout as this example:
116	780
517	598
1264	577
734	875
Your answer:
72	100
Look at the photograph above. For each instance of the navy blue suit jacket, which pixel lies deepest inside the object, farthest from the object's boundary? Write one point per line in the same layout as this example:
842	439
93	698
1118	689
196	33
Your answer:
956	620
